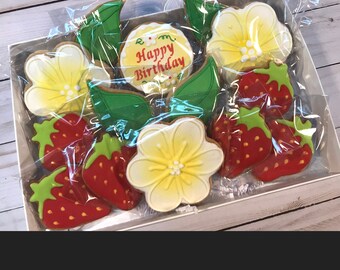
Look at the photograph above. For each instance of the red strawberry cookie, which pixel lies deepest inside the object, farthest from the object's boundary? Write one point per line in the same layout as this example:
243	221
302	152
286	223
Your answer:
244	138
64	202
268	88
62	140
292	152
104	173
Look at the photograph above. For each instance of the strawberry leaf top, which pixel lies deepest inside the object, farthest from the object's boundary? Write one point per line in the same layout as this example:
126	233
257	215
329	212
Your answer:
252	118
43	134
105	147
278	73
42	190
303	130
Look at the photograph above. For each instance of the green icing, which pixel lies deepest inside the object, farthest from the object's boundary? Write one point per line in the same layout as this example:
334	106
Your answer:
303	130
200	15
197	95
43	135
100	34
278	73
42	190
252	118
105	147
122	111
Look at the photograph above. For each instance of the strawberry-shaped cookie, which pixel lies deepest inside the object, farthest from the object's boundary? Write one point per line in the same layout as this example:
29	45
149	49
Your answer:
269	88
292	152
64	202
62	141
244	138
104	173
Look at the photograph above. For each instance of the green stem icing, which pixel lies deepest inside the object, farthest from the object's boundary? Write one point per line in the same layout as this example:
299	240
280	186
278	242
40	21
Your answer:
43	135
42	190
302	130
200	15
252	118
197	95
122	111
278	73
105	147
167	37
100	34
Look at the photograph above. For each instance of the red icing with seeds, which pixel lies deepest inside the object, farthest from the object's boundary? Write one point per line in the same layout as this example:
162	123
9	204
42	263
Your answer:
107	179
288	157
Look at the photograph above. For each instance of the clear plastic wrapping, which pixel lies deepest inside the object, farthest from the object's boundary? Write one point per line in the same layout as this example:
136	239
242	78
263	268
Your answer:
134	110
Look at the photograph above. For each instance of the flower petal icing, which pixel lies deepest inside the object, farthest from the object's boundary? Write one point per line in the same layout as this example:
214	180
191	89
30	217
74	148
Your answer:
248	38
174	163
58	80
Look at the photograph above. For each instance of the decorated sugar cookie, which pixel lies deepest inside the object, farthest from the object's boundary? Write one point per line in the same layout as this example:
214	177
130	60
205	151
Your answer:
62	140
197	95
64	202
293	149
248	38
174	163
155	57
124	112
58	80
245	139
104	172
268	88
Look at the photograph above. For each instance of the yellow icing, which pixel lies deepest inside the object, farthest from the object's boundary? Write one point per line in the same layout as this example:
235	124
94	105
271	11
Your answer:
155	57
59	82
174	163
248	38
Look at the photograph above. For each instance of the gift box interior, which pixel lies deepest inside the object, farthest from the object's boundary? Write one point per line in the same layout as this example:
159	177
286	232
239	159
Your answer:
231	202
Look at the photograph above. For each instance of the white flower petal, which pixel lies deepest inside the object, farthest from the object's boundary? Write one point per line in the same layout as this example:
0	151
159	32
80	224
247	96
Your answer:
71	63
194	188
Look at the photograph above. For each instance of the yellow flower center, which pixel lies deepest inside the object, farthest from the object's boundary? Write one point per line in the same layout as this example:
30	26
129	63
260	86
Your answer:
175	168
70	92
250	52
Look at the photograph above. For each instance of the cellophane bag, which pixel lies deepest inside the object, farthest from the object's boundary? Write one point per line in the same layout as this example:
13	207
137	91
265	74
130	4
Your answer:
141	109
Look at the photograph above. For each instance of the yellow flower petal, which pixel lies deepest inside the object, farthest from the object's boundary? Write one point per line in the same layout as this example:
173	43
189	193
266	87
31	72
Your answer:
71	63
40	70
194	188
42	101
187	137
205	162
153	142
165	195
143	172
261	22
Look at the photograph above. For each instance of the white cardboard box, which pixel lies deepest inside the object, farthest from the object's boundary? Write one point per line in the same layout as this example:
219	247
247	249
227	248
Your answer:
312	186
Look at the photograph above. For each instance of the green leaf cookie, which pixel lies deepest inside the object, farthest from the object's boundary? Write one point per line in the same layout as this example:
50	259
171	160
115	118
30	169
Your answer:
197	95
100	33
124	112
200	15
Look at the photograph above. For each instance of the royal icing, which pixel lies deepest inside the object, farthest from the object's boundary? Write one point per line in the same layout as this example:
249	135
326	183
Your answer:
247	38
58	80
174	163
155	57
197	95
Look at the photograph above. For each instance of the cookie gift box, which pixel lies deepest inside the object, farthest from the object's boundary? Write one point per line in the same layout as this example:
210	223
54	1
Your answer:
172	123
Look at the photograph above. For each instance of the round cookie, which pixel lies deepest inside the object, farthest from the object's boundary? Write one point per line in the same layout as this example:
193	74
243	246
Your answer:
155	57
58	80
174	163
248	38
